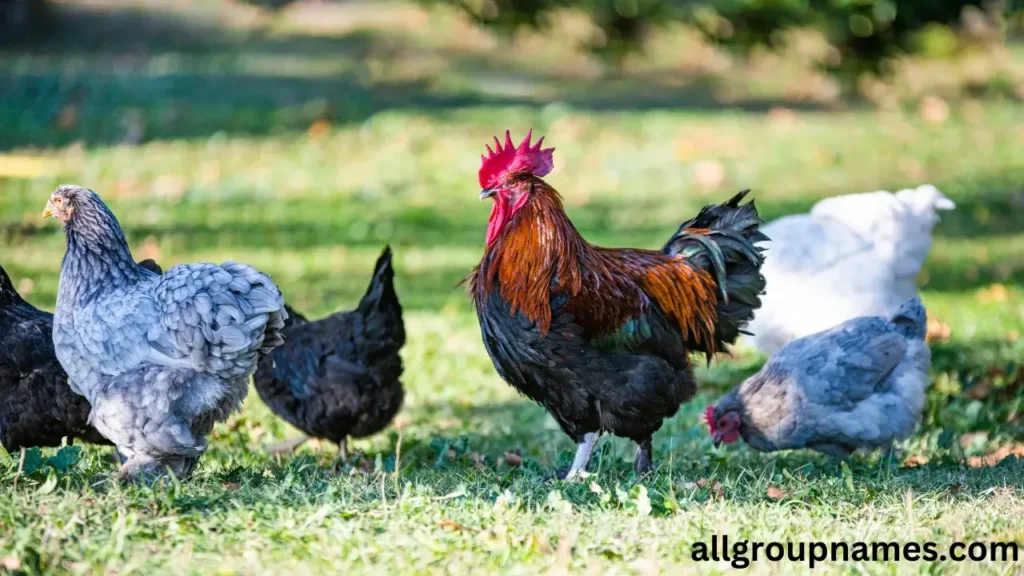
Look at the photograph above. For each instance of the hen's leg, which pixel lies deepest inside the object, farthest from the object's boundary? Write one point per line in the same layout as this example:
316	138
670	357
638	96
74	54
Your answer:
891	457
342	460
583	452
642	464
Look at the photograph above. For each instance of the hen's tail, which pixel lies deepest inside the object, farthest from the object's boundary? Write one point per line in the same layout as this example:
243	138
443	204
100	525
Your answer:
380	308
912	319
721	240
8	295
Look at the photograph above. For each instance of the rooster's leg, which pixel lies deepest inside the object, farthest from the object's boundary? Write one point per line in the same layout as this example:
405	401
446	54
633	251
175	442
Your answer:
642	464
583	451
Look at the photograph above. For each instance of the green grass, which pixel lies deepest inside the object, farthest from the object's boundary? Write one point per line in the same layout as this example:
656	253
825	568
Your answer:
226	169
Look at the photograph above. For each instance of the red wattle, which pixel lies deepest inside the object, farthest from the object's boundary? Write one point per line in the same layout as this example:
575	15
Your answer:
499	216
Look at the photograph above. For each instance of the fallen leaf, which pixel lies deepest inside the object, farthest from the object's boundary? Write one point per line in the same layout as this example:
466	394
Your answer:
230	486
170	186
513	459
915	461
997	456
708	174
318	130
151	249
776	493
455	526
937	331
781	115
478	460
934	110
26	286
912	169
716	487
992	293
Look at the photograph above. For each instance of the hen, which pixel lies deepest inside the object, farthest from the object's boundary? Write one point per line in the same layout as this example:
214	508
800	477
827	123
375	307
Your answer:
159	358
601	337
338	377
859	385
38	407
851	256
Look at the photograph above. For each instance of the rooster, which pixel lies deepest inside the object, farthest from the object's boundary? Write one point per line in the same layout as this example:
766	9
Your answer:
601	337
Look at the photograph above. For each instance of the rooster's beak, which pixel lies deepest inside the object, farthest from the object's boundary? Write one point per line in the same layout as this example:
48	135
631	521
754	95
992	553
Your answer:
718	441
487	193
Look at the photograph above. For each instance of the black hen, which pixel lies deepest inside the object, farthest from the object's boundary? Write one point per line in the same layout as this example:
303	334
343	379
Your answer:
339	376
38	408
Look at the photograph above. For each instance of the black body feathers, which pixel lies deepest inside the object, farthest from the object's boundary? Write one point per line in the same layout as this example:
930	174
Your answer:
339	376
38	407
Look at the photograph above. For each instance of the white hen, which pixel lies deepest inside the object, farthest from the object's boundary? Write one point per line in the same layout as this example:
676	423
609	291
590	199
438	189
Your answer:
854	255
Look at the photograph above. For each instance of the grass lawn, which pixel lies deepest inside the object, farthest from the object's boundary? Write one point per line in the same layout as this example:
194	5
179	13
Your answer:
302	142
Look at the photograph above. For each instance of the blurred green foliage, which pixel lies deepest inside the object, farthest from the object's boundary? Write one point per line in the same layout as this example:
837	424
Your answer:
865	31
21	18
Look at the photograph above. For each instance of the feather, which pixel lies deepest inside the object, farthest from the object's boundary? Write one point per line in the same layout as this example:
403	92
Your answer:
339	376
156	355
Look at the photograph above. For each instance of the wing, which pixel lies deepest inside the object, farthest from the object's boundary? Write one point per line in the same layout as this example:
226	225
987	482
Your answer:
214	319
641	302
846	364
209	318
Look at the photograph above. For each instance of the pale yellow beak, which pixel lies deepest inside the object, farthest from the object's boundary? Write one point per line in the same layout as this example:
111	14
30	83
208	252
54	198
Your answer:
47	212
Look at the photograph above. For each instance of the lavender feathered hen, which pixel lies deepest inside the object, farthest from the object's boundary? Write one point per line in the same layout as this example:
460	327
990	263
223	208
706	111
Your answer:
339	376
38	408
859	385
160	358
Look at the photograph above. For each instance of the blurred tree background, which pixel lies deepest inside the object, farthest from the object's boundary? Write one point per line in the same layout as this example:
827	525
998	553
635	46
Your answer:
865	35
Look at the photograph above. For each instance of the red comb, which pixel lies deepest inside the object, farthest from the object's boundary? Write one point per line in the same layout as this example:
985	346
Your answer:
509	158
709	418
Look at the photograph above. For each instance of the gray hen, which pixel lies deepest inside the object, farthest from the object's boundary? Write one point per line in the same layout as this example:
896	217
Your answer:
38	407
160	358
859	385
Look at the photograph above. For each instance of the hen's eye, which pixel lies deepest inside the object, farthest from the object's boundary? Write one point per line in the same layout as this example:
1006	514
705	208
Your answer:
56	200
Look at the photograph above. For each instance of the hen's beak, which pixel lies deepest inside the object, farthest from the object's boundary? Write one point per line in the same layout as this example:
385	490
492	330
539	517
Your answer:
487	193
48	211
